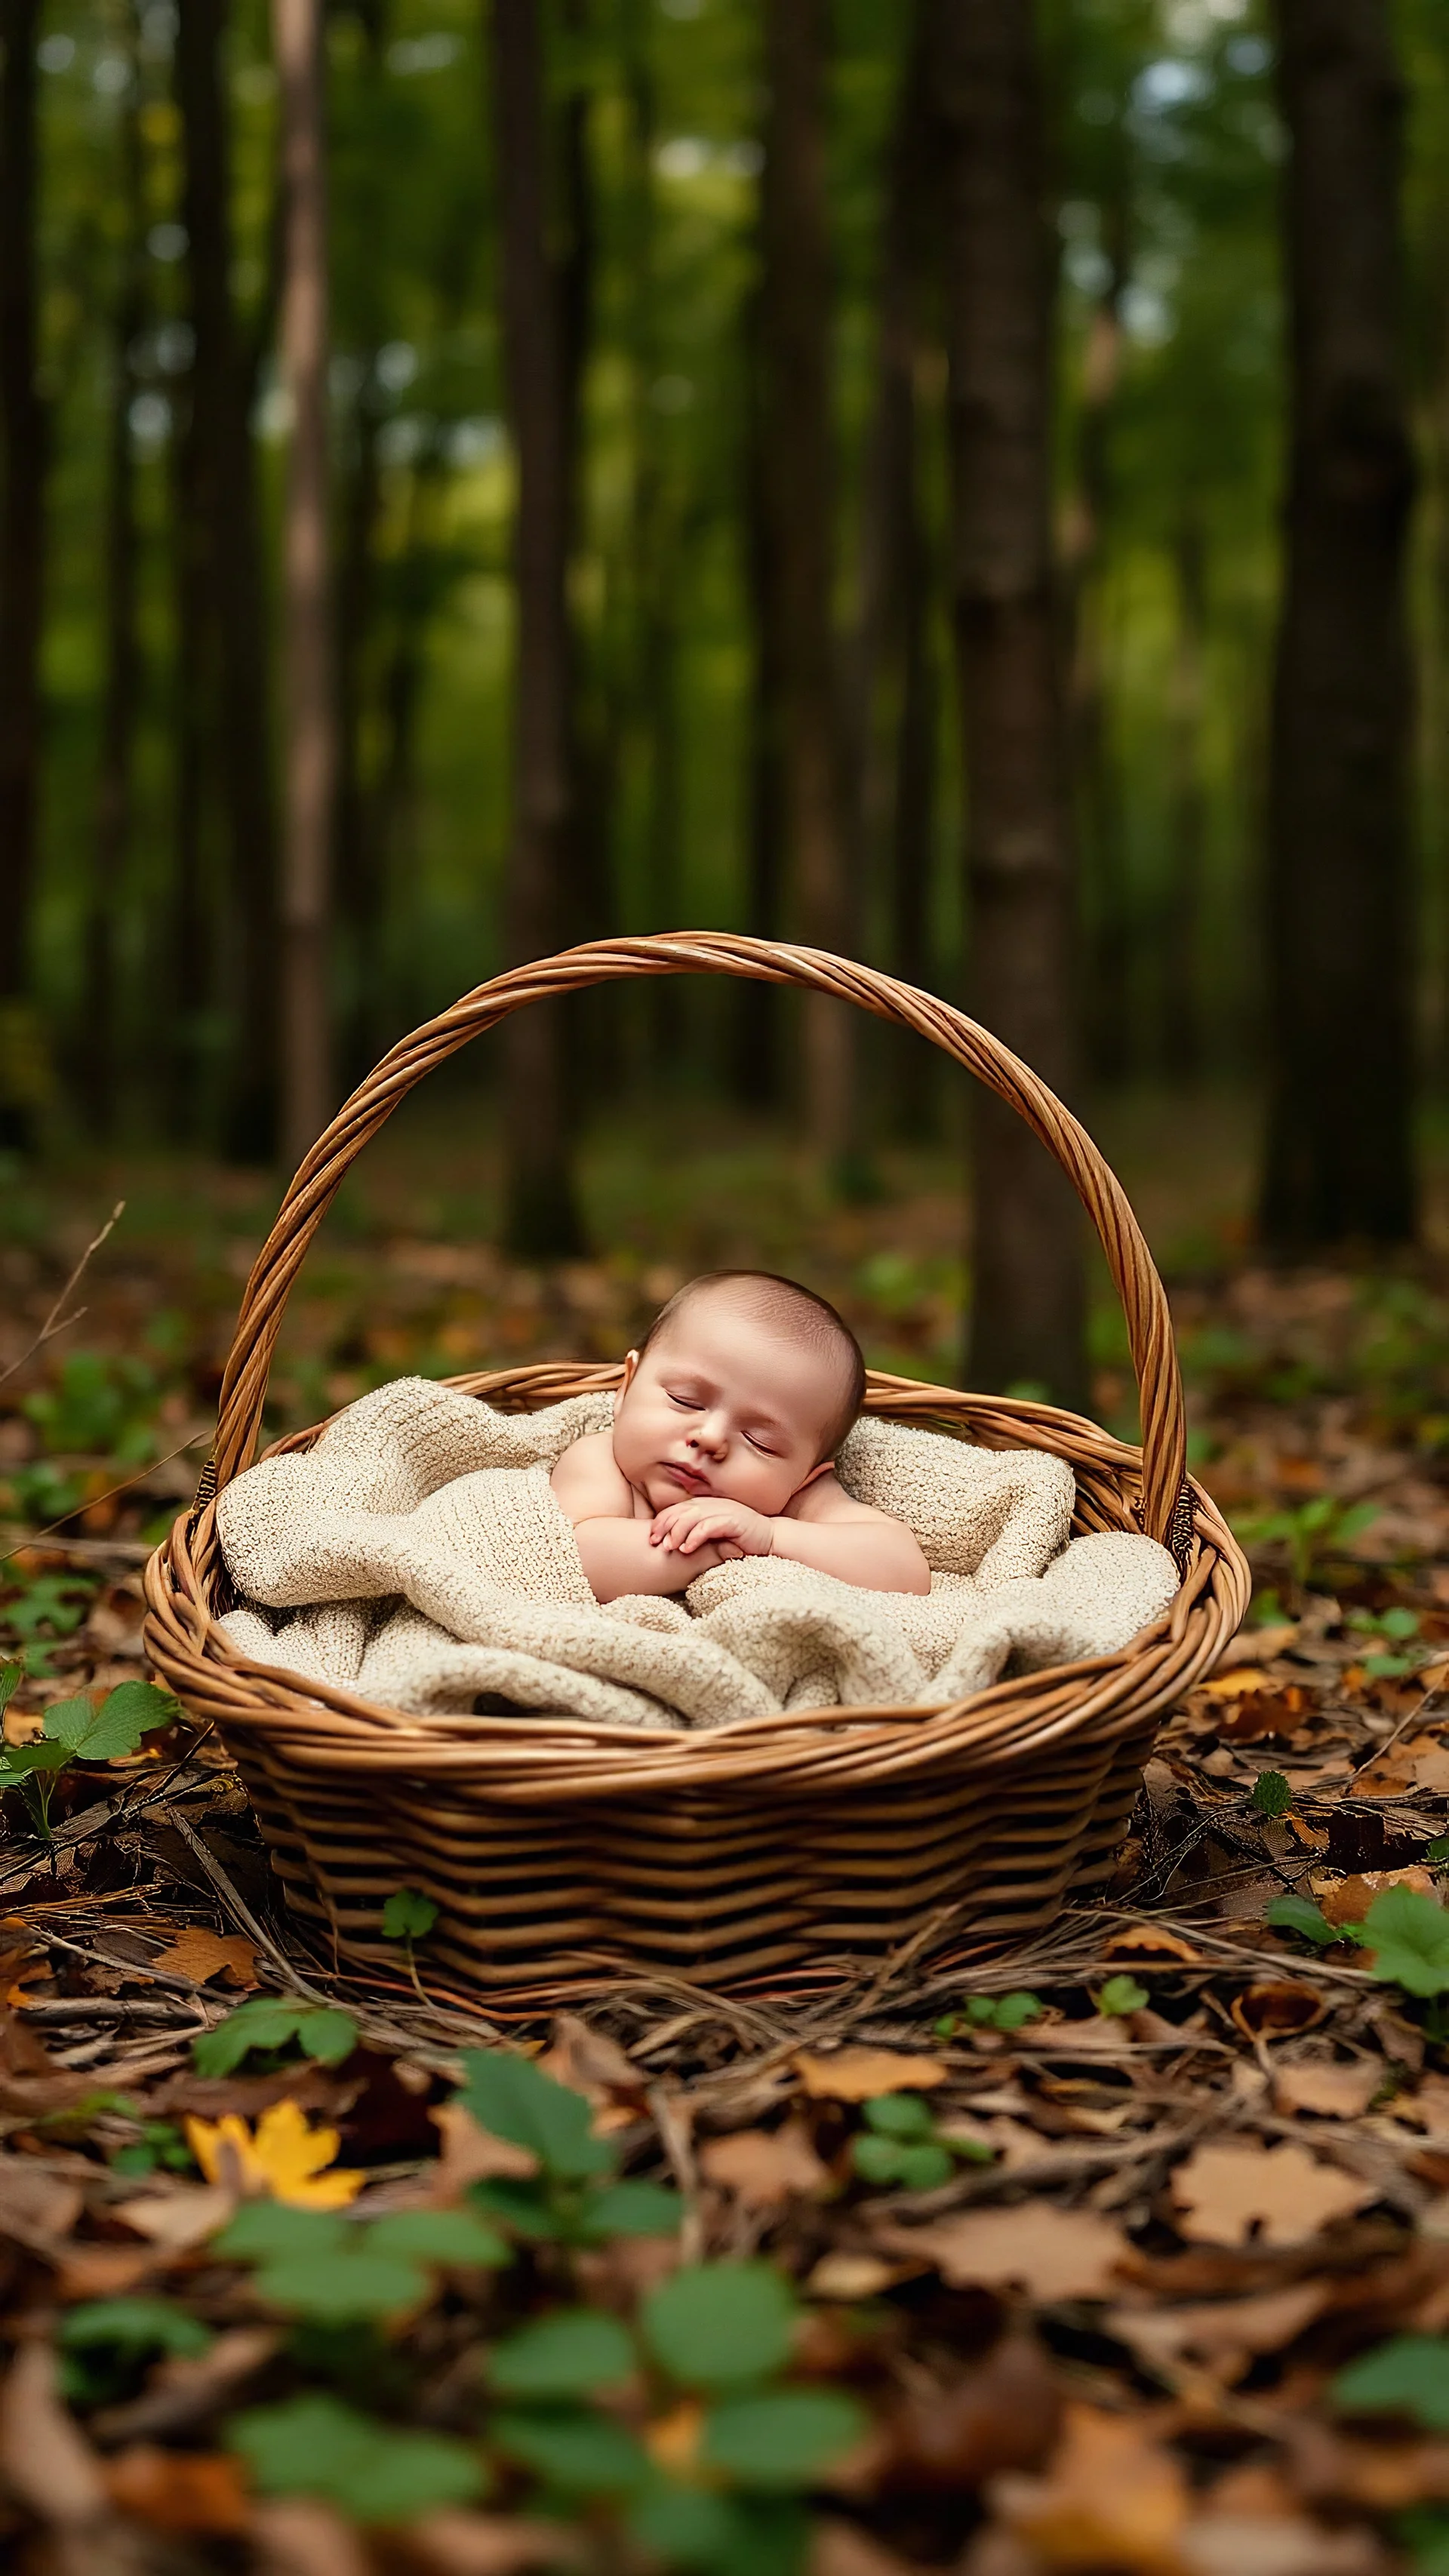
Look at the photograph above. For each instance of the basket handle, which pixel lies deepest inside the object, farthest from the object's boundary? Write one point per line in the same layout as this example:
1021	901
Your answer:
703	952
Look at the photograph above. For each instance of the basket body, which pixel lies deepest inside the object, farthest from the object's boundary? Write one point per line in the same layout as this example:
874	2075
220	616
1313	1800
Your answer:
783	1854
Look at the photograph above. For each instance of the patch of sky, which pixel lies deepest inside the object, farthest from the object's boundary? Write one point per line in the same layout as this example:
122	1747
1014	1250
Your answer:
472	443
110	75
397	365
55	53
167	242
1169	82
150	420
1249	55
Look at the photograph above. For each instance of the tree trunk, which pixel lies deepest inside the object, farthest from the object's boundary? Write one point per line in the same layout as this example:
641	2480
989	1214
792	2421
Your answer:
121	687
1182	1047
1027	1321
22	541
1339	1164
354	842
541	1215
799	494
310	722
225	495
757	1017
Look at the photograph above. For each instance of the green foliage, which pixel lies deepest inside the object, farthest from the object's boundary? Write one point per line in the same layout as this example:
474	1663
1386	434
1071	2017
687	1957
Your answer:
1409	2376
51	1606
901	2145
104	2344
271	2022
569	2354
1272	1795
573	2450
160	2143
719	2325
1300	1914
76	1731
1313	1532
1424	2533
783	2439
314	2445
1122	1995
998	2012
334	2270
102	1406
1409	1937
569	2202
407	1916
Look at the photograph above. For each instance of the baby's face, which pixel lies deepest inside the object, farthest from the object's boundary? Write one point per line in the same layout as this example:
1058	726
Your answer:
720	1405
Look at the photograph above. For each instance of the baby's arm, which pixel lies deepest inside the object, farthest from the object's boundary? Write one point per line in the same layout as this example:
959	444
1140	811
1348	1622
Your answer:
825	1527
613	1546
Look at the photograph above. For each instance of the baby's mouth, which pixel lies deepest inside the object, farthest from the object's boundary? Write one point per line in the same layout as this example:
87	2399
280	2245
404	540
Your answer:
689	1477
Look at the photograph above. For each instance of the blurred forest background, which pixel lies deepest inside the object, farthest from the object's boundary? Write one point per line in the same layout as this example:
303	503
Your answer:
731	278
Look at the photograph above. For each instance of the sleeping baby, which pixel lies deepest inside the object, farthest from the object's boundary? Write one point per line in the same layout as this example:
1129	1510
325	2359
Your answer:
723	1445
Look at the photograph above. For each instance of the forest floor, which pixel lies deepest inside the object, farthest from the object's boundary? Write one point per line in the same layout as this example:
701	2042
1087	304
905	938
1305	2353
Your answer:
1132	2254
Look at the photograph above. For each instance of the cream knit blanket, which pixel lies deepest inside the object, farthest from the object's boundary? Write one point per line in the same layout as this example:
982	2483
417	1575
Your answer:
416	1555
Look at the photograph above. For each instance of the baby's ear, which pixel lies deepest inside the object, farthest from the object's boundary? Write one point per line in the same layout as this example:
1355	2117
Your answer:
631	1363
825	1468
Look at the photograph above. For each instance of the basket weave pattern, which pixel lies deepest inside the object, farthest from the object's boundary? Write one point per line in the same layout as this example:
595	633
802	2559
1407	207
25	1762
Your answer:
565	1856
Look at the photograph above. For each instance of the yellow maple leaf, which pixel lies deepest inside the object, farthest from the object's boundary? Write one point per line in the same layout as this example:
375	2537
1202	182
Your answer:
283	2157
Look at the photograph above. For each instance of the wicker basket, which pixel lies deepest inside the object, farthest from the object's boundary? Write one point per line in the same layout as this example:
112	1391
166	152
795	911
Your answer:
778	1854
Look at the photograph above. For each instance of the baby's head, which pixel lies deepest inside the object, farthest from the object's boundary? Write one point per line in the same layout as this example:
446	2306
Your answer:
744	1386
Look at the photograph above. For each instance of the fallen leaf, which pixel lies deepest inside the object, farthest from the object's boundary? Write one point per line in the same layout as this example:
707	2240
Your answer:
1272	2007
843	2549
1003	2412
456	2543
1321	2085
1282	2195
763	2167
842	2275
1237	1683
45	2459
1225	2332
299	2536
102	2271
284	2157
859	2074
1347	1900
1154	1941
472	2154
1220	2544
183	2387
36	2205
199	1954
181	2218
1049	2252
1112	2497
1257	1646
1261	1713
179	2490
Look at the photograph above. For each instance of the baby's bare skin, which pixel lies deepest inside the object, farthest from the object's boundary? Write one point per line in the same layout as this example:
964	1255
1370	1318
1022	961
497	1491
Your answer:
715	1454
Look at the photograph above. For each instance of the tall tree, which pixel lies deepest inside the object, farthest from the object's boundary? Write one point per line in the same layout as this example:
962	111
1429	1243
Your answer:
121	685
221	487
310	721
1028	1302
541	1216
1182	1046
1339	1163
799	506
756	1047
22	538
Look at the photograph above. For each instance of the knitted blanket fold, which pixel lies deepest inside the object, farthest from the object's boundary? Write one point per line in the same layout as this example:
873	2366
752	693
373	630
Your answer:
415	1554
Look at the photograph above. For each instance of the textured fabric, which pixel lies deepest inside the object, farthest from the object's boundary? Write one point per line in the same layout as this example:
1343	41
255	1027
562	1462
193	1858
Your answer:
426	1565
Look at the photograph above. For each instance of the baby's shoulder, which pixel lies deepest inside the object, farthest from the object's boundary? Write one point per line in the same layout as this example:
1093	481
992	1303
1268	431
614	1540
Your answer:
825	1499
588	1483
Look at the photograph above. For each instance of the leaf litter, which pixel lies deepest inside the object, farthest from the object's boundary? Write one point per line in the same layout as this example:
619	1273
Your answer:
1130	2251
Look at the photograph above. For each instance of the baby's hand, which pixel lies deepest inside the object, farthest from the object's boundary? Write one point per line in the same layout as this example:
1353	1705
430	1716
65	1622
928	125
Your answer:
706	1520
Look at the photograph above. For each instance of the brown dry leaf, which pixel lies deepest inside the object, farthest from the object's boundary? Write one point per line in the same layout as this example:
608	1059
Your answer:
595	2065
1257	1646
843	2275
1261	1713
455	2543
1347	1900
180	2218
1112	2497
859	2074
1319	2084
186	2386
199	1954
34	2204
296	2536
1224	2332
1266	2545
1003	2412
31	2084
1273	2007
179	2490
1153	1941
45	2459
763	2167
843	2549
1238	1683
471	2154
102	2271
1049	2252
1427	2107
1228	2194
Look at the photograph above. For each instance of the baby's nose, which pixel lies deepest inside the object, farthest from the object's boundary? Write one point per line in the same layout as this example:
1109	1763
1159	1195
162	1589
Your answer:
713	1431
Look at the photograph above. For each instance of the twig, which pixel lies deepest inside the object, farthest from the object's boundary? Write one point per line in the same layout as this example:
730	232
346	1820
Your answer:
55	1322
672	2121
33	1538
242	1915
54	2008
